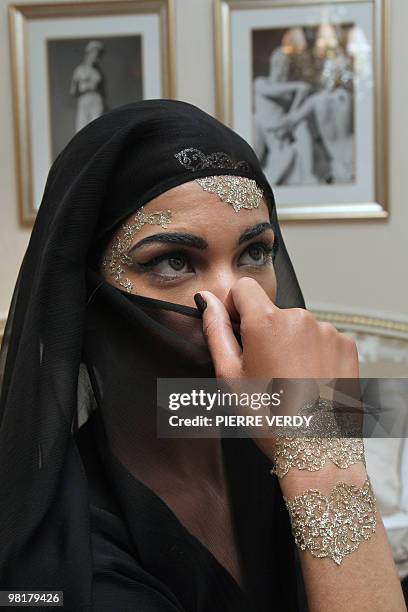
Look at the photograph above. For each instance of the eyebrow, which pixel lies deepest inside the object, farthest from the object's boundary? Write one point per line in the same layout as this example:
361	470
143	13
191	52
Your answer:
190	240
255	230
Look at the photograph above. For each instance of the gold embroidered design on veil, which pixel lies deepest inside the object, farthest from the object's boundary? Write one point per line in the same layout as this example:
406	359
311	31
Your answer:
194	159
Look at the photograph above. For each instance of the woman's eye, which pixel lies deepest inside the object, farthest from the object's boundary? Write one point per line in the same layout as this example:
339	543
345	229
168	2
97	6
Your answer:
257	254
176	263
167	265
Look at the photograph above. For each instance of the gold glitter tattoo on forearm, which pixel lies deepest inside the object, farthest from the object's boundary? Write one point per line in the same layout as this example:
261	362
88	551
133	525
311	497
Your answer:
333	526
330	526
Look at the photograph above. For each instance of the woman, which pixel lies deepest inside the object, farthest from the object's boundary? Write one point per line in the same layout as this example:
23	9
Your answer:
287	158
88	85
331	106
147	207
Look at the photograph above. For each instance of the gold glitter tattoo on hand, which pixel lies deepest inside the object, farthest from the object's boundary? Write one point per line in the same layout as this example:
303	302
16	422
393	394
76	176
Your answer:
333	526
117	256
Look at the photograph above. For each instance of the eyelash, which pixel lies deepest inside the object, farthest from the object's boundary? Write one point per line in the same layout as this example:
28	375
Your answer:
267	248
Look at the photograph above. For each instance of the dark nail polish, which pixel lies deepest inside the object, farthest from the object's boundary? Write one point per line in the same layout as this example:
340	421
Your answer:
200	302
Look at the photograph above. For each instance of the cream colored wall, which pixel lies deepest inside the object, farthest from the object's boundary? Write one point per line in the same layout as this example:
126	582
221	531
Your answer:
352	266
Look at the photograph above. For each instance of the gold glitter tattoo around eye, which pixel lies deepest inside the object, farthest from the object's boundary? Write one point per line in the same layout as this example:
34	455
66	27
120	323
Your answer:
333	526
117	256
239	191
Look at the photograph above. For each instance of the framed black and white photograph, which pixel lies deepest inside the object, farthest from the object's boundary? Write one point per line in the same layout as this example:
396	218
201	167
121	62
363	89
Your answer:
306	84
87	77
72	63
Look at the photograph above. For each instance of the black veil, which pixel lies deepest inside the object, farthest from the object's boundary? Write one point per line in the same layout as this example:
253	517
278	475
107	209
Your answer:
74	346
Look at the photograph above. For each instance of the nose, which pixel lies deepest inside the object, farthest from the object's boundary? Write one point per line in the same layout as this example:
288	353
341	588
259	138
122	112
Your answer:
219	282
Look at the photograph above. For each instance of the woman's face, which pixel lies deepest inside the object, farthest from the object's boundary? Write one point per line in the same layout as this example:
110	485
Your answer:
206	245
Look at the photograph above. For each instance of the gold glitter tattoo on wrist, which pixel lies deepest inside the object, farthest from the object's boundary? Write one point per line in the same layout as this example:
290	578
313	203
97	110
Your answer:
311	453
333	526
239	191
323	440
117	256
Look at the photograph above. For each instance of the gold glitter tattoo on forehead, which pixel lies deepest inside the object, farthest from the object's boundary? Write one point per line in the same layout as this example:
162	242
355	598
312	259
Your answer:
117	256
239	191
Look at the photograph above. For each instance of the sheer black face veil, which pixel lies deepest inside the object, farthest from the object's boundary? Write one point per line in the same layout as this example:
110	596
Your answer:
74	344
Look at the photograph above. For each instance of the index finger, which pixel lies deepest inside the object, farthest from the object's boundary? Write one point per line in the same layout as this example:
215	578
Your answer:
250	299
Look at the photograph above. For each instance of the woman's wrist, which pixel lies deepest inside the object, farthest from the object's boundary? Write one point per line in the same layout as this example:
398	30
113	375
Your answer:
296	480
324	483
321	451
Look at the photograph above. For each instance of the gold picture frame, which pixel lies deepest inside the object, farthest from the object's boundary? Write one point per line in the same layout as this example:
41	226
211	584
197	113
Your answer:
233	29
156	16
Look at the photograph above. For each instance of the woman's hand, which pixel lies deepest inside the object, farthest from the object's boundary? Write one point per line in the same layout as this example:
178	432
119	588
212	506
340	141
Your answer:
279	347
277	343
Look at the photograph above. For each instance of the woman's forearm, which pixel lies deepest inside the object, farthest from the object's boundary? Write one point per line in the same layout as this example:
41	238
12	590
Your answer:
353	568
365	579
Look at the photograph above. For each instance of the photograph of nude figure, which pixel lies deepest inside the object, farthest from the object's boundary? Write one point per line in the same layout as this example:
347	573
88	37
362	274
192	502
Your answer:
303	101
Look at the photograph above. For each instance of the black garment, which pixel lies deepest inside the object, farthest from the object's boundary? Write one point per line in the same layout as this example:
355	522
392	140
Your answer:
168	568
49	363
117	334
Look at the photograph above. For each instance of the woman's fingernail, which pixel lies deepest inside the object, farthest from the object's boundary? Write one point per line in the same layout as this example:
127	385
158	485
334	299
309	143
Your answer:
200	302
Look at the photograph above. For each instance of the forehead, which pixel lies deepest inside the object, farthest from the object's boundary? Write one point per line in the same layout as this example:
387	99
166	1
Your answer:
191	205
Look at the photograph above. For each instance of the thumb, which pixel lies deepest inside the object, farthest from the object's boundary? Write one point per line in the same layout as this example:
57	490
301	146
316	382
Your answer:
225	350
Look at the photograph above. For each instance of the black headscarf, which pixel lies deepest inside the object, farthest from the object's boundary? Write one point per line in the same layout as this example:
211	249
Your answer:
73	343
